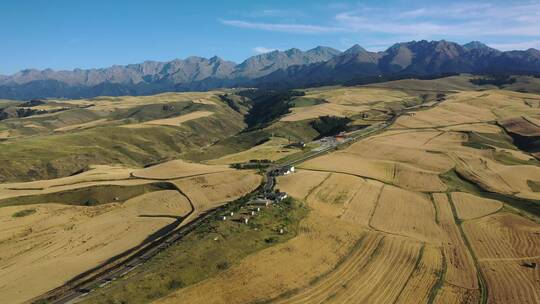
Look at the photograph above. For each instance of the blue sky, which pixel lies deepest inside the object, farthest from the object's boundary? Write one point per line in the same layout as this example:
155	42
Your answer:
67	34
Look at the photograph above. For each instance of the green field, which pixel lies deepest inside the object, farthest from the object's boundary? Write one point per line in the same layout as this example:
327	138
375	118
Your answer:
306	102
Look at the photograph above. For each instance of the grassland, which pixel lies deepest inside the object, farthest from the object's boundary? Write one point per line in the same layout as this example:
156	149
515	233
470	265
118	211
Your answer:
63	143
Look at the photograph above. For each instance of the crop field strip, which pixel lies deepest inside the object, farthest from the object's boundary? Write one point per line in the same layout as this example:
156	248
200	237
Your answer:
482	285
365	275
504	243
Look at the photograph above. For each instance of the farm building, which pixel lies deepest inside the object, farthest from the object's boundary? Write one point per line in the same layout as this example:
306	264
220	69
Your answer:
278	196
300	144
260	202
286	170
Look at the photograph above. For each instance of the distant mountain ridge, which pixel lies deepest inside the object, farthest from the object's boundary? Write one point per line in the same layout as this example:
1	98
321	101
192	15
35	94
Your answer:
290	68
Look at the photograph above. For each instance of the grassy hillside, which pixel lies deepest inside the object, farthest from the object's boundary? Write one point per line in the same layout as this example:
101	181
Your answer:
111	132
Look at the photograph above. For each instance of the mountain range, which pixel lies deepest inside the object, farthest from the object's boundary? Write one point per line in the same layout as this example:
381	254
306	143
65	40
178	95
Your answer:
278	69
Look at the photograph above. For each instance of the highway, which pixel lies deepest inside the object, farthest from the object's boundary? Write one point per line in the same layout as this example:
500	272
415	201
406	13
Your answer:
75	290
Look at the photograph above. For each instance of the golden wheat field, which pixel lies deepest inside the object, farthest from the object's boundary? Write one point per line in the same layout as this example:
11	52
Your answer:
177	169
273	150
346	102
41	251
412	236
174	121
56	242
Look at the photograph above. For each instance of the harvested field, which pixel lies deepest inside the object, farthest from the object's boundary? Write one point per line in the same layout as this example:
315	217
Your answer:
495	177
346	273
424	277
19	192
406	213
361	207
521	126
349	163
175	121
89	196
358	95
512	281
324	109
452	84
273	149
460	268
94	173
97	175
337	189
301	183
5	134
426	149
503	235
410	178
346	102
212	190
504	243
41	251
110	104
178	169
454	111
393	148
483	172
469	206
376	276
450	294
470	107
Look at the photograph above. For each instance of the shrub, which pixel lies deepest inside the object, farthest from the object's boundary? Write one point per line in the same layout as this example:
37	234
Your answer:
24	212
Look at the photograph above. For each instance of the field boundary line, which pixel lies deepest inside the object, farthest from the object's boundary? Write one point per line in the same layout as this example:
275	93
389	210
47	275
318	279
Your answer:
317	186
372	213
482	285
440	279
416	264
432	200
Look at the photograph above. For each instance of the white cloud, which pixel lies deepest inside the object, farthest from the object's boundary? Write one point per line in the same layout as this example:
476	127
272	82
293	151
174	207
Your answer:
516	46
284	27
460	21
262	50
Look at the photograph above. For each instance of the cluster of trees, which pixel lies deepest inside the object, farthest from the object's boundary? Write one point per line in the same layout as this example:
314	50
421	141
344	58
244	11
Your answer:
253	164
267	105
497	80
330	125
